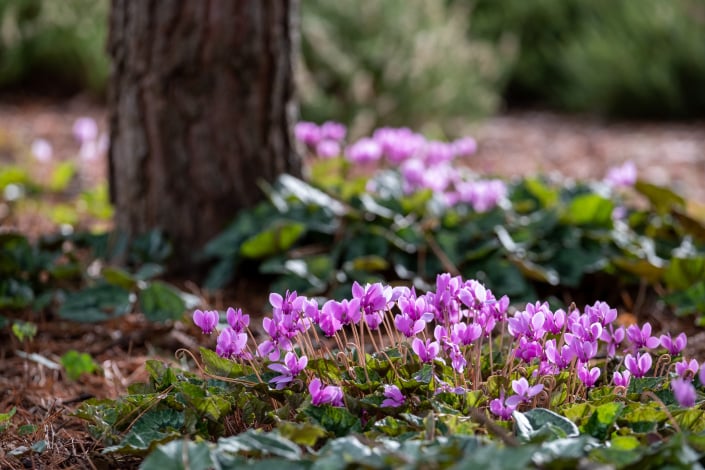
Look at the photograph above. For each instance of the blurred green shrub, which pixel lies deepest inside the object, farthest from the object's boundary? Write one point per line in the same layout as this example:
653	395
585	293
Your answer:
57	45
396	62
643	58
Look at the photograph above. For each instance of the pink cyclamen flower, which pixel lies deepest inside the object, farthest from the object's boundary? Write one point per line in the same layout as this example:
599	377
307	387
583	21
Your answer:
328	149
364	150
501	408
427	351
291	367
674	346
684	392
42	150
85	129
394	397
325	395
621	379
588	376
641	337
308	133
524	393
624	175
464	147
206	320
639	365
334	131
232	344
687	369
237	320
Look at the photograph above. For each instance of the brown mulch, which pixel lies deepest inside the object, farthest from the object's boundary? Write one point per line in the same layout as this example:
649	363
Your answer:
511	145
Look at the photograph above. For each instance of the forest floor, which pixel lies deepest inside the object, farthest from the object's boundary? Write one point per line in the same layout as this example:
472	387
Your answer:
515	144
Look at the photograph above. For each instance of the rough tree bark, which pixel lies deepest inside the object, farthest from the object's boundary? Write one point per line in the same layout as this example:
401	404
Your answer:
201	107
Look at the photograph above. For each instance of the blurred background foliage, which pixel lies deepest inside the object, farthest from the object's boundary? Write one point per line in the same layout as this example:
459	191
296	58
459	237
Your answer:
423	63
54	46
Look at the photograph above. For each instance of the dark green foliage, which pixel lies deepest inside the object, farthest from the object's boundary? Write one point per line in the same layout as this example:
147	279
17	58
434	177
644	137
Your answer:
550	239
620	58
55	45
397	62
53	274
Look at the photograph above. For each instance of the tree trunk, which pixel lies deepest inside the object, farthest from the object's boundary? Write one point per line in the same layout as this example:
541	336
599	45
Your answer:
201	108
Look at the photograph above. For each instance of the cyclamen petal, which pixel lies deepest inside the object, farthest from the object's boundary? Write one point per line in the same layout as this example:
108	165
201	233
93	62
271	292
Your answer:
206	320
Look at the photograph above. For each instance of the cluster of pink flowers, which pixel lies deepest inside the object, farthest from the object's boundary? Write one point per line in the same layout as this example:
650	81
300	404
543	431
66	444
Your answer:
423	164
461	314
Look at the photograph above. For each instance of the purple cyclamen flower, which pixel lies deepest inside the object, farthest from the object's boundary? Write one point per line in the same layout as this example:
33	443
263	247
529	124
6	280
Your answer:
308	133
465	334
278	341
684	392
85	129
584	350
524	393
674	346
394	397
439	152
601	312
465	146
501	408
560	357
42	150
331	130
408	326
641	338
639	365
588	376
328	149
291	367
325	395
624	175
687	369
364	150
613	338
527	350
427	351
206	320
237	320
231	344
621	379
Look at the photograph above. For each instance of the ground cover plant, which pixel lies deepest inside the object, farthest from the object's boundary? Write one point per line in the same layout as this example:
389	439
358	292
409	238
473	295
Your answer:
399	206
387	345
434	370
390	377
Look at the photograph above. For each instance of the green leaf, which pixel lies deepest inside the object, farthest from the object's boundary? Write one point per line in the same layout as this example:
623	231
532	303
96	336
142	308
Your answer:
661	198
119	277
280	236
76	364
692	420
180	455
62	175
492	457
253	442
97	303
338	421
161	302
303	434
590	209
24	330
547	196
682	273
156	426
5	417
540	423
603	419
216	365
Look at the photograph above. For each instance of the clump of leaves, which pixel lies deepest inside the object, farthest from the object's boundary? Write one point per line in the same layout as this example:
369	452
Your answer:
421	379
379	214
74	276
